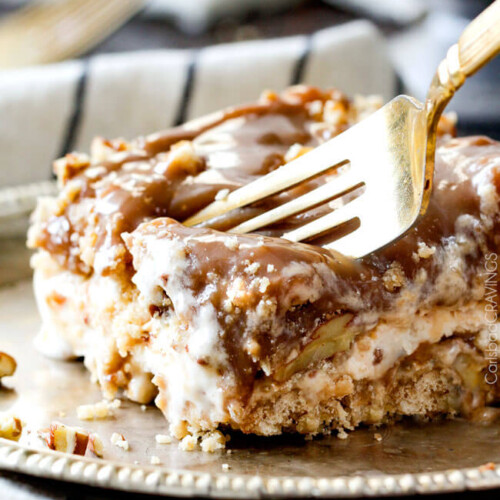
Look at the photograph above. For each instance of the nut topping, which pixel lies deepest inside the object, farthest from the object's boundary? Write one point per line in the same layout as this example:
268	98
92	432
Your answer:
95	445
120	441
8	365
334	336
60	437
11	427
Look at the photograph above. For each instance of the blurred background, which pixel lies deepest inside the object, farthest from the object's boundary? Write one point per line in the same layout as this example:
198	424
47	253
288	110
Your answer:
418	33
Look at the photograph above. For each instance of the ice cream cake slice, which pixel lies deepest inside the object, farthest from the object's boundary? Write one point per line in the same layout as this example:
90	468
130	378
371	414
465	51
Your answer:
254	332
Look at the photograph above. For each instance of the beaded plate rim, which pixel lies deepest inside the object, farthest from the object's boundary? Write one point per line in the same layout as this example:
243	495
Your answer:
164	481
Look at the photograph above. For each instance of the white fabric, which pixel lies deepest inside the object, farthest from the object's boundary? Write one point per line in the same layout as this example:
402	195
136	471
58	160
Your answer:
229	74
353	58
125	95
132	94
35	106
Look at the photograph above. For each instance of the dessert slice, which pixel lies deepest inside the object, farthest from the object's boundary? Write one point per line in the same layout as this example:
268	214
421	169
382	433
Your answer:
254	332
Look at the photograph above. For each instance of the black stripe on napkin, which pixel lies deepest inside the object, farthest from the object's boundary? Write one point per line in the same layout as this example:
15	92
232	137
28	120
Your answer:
187	91
300	66
73	126
400	86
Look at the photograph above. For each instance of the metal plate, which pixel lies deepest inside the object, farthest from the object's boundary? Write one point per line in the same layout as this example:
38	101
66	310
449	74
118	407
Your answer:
446	456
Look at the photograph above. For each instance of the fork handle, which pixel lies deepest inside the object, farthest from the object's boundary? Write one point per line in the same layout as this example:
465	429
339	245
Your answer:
478	44
480	40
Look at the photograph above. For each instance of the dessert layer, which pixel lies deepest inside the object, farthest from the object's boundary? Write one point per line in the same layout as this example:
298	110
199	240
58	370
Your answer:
429	364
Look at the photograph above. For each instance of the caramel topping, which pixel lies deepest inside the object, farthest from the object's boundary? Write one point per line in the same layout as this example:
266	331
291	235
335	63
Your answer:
150	178
126	184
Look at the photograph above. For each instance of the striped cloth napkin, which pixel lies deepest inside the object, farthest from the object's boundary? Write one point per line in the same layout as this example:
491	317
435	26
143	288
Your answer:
47	111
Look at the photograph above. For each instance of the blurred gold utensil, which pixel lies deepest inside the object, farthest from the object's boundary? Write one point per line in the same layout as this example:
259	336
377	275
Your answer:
390	155
50	31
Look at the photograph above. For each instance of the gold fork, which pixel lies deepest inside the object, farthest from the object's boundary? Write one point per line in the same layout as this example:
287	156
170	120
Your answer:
391	154
51	31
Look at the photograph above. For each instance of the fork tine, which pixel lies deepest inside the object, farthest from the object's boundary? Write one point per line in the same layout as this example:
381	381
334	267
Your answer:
325	223
332	189
316	161
361	241
358	242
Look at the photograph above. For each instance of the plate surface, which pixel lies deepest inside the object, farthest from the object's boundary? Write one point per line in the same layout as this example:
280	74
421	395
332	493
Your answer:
446	456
